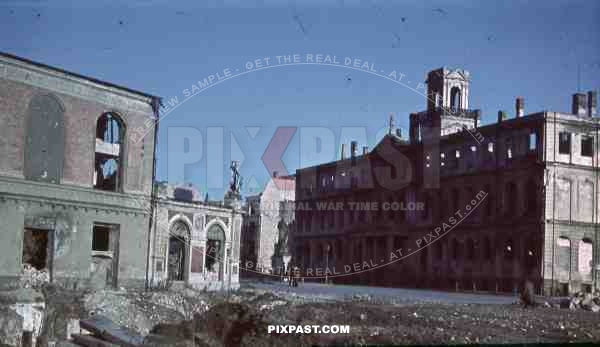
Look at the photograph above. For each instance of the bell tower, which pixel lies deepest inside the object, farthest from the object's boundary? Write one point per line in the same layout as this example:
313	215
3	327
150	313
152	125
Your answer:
448	88
447	105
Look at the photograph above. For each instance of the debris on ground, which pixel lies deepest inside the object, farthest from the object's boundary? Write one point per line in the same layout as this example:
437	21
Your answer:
10	327
187	317
32	277
585	301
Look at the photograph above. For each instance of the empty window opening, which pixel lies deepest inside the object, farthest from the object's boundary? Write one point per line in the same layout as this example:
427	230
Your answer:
511	199
331	219
105	245
455	249
427	206
564	254
455	98
424	259
509	250
531	255
491	147
489	206
439	251
587	146
35	248
532	197
457	153
391	212
455	201
470	249
585	257
509	153
533	141
487	249
564	143
109	143
101	238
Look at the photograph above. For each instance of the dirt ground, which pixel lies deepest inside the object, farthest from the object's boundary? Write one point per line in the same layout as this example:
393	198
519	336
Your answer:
193	318
243	321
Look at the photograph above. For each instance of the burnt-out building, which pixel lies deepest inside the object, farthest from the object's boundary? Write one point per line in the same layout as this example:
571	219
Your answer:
267	224
194	242
459	205
74	180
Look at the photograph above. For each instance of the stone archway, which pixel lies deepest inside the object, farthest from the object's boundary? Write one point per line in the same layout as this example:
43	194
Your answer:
215	251
178	252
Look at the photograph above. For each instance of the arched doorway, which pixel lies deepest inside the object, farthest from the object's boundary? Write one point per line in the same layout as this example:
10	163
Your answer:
178	258
215	245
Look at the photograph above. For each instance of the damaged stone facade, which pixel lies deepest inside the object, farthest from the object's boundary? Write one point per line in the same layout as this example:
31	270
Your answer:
269	218
195	243
530	183
71	176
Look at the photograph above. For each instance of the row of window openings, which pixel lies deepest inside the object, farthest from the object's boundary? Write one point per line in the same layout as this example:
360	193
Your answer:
349	180
587	150
328	181
511	197
455	251
564	144
490	149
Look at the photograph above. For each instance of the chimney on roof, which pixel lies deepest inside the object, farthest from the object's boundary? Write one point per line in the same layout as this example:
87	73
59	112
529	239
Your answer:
365	150
592	103
343	154
353	149
502	116
275	174
579	105
520	107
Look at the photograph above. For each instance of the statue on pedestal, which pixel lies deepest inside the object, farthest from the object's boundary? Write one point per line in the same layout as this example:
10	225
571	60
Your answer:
236	181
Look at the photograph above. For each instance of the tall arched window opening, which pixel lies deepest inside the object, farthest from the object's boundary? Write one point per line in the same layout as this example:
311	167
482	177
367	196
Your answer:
108	162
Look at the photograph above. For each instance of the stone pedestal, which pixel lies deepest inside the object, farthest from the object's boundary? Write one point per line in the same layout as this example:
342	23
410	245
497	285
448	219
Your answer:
234	200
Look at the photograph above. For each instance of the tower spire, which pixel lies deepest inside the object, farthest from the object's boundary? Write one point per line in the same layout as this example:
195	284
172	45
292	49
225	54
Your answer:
391	124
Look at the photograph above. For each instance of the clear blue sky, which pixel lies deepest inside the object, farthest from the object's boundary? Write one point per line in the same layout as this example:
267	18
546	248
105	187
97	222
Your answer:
511	48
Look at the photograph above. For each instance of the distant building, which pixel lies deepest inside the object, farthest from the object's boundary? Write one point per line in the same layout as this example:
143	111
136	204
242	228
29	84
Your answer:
267	222
194	242
486	207
75	176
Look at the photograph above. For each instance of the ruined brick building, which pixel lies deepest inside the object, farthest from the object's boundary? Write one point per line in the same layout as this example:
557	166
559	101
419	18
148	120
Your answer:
72	176
266	226
194	242
501	203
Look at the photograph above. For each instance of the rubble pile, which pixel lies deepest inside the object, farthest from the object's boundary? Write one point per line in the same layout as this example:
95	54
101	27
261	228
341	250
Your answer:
140	311
33	278
11	327
225	324
585	301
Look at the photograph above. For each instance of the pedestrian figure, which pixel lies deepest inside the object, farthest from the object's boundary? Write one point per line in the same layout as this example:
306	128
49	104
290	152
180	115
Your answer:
528	295
296	276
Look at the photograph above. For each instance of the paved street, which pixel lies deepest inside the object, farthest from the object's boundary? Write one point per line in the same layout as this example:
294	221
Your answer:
339	292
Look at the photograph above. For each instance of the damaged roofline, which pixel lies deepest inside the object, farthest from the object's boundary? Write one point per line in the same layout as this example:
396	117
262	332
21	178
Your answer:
78	76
